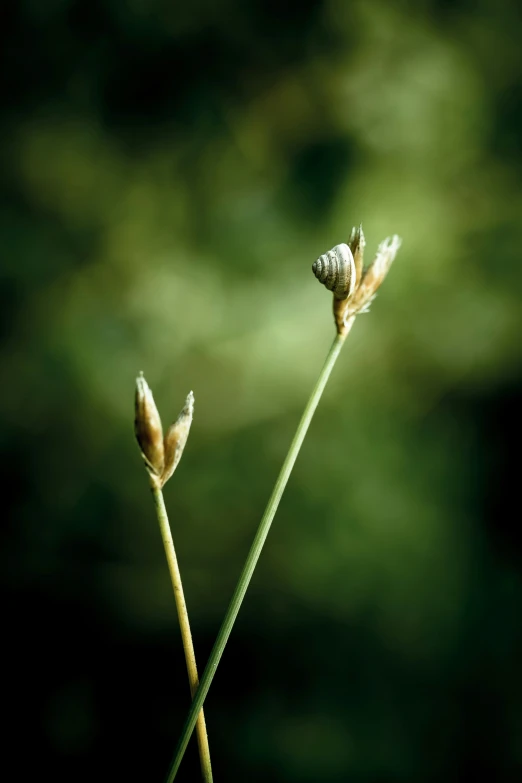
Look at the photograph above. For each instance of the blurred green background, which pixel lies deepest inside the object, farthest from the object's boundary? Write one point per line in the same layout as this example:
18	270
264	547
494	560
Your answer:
170	172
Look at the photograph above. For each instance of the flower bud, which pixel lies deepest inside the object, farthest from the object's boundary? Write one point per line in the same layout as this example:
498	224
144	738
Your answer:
148	429
176	438
363	283
375	274
357	243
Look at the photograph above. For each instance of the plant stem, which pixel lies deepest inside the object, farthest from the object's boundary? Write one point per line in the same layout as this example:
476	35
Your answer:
255	550
190	658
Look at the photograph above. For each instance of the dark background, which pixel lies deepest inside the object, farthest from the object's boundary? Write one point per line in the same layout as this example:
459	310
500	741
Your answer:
169	173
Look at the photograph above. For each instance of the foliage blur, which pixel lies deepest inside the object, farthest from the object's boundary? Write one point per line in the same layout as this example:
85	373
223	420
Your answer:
170	172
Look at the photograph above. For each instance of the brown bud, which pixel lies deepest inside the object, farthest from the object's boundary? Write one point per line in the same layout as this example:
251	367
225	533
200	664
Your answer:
357	243
148	429
375	274
176	438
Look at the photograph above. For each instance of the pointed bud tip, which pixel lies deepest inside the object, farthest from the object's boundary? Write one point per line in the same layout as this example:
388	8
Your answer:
141	384
392	243
357	231
189	403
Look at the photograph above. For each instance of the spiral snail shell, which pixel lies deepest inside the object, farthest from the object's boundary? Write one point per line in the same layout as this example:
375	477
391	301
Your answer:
336	270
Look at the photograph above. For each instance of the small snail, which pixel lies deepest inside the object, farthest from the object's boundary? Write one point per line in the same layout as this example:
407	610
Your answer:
336	270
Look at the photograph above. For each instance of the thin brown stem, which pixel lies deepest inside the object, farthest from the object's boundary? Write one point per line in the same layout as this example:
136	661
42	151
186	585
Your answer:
186	636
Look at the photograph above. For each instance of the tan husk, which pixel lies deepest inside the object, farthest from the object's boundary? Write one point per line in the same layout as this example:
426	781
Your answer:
176	438
148	429
368	280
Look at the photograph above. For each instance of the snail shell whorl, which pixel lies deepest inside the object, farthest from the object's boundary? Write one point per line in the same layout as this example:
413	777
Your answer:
336	270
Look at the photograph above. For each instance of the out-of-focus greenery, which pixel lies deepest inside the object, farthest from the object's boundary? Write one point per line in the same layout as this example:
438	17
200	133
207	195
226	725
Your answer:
171	171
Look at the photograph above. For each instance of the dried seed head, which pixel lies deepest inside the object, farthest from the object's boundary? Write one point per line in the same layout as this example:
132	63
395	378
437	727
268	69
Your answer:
148	429
374	275
354	288
176	438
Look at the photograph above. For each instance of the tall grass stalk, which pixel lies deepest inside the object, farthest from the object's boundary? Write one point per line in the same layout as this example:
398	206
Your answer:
255	550
354	288
161	455
186	636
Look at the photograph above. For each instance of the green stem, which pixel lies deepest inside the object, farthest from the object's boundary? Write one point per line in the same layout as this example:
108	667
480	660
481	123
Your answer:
190	658
255	551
